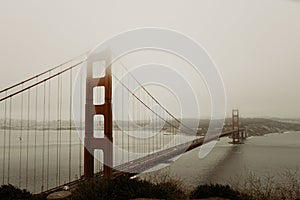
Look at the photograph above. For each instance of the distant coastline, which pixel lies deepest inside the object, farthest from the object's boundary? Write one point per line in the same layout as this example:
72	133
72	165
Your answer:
254	126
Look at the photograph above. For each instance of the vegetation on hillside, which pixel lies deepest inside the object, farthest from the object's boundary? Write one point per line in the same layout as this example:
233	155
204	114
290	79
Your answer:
164	187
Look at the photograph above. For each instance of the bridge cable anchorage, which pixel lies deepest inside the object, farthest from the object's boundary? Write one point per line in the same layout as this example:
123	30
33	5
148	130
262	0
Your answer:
156	101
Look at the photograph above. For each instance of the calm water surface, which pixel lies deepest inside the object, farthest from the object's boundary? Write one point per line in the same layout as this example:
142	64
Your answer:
263	155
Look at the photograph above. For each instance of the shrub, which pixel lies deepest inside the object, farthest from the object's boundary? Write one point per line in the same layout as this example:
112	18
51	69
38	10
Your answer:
126	188
8	192
223	191
285	186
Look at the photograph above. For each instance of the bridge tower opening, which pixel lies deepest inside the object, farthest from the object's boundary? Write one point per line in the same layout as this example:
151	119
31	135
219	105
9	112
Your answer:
90	142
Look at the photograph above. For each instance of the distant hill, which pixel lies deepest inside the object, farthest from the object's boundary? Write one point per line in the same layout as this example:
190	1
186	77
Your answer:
260	126
254	126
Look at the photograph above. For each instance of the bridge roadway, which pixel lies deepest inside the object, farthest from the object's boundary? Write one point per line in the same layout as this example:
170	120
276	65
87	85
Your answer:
142	164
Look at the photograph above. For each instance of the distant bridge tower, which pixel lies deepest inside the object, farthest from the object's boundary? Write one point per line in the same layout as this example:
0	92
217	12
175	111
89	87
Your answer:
90	142
235	126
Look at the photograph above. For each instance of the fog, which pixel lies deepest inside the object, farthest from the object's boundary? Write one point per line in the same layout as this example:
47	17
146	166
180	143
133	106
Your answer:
255	44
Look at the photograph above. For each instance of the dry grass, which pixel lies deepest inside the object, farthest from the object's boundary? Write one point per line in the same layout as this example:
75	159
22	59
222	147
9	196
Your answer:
165	178
286	187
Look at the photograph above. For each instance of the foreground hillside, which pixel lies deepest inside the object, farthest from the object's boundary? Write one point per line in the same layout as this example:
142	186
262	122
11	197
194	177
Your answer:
164	187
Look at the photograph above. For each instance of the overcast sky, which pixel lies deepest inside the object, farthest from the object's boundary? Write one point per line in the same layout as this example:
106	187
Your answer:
255	43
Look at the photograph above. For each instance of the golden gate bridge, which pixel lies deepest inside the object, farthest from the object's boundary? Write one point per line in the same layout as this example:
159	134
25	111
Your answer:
41	140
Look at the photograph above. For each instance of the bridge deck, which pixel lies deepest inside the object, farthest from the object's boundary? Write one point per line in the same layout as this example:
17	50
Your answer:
142	164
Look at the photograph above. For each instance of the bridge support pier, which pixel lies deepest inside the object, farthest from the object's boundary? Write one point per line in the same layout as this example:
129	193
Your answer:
91	110
243	134
236	137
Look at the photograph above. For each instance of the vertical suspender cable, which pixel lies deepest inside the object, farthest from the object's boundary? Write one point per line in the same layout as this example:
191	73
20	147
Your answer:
9	140
139	125
21	138
160	125
145	133
48	148
162	132
128	121
57	129
146	137
164	124
80	123
117	139
151	130
60	125
157	129
70	125
150	138
27	139
142	125
4	140
156	132
43	151
152	127
135	127
122	130
35	136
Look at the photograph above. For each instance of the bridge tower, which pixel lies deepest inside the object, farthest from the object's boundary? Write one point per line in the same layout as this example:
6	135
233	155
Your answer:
91	110
235	126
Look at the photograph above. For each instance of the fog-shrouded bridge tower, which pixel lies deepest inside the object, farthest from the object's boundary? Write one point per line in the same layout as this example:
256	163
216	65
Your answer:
90	142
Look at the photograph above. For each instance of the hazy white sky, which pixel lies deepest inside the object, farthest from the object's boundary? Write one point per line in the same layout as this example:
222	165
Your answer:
255	43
